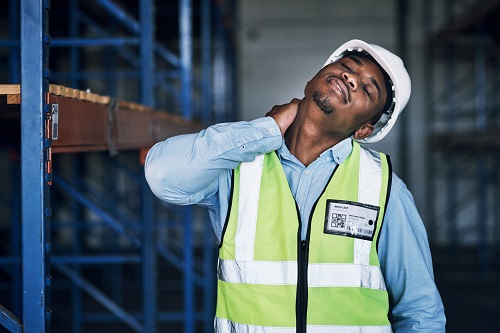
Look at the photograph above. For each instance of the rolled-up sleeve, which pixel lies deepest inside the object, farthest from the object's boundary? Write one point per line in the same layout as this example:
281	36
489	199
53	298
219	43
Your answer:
184	169
406	262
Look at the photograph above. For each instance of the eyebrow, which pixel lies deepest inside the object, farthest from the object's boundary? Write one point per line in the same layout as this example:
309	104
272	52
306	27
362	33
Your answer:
360	63
356	60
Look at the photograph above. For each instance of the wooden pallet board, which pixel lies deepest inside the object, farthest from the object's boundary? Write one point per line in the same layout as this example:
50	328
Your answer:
92	122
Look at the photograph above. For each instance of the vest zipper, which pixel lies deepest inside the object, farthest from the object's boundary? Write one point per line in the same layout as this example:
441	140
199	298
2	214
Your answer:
301	306
303	261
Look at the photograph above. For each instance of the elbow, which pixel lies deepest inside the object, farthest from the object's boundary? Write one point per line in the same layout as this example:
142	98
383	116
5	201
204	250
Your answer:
159	176
157	179
162	176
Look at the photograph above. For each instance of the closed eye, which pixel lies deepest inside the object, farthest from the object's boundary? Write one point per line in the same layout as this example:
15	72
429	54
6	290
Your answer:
346	67
366	91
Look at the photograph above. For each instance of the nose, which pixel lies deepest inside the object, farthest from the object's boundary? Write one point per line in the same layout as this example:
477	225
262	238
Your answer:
350	80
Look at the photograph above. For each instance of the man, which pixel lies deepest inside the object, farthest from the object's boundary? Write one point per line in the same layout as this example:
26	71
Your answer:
316	233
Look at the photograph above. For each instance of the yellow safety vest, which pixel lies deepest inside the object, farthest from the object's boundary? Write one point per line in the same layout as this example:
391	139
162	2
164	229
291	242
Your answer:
269	280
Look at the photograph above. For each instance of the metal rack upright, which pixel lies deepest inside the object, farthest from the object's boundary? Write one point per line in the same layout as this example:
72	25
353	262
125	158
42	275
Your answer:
40	252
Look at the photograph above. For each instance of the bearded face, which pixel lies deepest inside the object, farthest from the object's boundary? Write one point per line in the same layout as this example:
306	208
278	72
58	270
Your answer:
323	102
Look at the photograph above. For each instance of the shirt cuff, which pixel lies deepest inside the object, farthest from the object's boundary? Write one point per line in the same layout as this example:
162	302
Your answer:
267	126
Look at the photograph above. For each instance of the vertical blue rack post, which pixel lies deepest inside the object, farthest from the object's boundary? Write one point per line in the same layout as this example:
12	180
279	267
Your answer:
186	54
34	158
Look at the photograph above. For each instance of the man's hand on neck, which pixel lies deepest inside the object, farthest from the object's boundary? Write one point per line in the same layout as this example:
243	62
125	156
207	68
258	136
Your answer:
284	115
303	137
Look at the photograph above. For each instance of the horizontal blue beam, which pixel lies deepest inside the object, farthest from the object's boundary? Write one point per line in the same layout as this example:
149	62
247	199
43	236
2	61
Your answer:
174	74
122	74
110	41
10	260
98	259
73	42
9	43
81	260
104	317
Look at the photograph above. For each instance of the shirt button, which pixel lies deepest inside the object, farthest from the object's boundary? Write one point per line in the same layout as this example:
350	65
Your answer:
307	172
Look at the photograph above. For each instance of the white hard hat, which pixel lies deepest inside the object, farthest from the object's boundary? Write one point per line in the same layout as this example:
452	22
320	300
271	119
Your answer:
401	83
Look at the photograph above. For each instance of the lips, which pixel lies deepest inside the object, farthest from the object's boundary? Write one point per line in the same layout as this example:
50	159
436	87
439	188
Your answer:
339	86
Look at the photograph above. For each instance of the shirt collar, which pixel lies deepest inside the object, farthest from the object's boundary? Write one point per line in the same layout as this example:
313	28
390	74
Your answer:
338	152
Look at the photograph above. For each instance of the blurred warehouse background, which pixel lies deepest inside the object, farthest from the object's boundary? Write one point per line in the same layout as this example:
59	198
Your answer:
112	257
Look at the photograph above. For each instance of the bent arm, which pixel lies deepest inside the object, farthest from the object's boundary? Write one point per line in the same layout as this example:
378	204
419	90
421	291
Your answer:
406	263
184	169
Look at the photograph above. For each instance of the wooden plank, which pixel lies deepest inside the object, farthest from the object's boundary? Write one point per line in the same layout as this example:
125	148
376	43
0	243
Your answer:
10	89
82	95
81	124
84	125
14	99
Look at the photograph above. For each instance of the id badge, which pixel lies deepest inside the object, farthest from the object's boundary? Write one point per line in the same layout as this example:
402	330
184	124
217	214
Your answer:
351	219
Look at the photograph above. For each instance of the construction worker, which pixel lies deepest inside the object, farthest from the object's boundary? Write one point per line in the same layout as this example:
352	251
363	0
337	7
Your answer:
316	233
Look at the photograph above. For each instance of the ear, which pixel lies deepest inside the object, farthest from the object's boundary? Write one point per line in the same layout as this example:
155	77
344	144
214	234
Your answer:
364	131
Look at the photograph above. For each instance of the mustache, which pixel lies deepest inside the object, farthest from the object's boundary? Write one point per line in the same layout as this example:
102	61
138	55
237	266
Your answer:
346	93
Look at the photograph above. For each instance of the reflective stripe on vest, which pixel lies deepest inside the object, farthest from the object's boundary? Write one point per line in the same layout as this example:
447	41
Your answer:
227	326
257	272
267	272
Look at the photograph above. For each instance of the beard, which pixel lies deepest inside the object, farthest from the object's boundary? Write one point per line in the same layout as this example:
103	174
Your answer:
323	102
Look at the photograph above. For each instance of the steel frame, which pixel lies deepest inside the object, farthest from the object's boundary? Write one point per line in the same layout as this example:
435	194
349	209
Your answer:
35	173
462	160
36	210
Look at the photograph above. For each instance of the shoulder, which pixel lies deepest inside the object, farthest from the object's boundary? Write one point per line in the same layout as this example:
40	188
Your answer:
400	195
402	216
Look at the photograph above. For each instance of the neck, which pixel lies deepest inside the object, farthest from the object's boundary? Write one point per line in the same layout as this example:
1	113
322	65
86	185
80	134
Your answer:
306	140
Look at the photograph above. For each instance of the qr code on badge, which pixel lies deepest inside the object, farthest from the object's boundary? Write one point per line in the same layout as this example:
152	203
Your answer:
338	220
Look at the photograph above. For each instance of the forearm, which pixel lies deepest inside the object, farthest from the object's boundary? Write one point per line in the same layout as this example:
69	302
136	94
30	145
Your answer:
184	169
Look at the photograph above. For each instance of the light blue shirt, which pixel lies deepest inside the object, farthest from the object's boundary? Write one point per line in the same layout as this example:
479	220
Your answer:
196	169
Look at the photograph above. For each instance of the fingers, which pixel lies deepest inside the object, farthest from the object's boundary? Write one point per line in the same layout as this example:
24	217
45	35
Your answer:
284	114
280	107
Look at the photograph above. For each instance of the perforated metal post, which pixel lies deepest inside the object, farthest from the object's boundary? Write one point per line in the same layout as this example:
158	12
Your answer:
36	211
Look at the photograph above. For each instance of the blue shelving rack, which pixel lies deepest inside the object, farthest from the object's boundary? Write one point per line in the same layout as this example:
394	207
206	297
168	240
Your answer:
49	268
460	71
